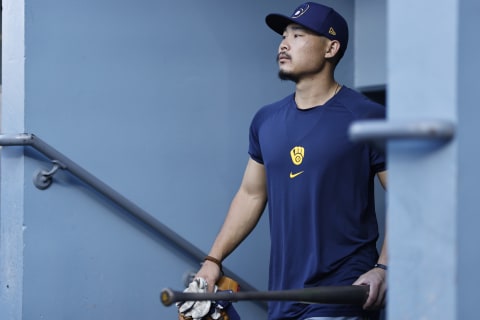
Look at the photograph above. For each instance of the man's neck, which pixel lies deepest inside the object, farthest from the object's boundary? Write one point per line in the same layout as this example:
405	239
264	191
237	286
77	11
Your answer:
315	92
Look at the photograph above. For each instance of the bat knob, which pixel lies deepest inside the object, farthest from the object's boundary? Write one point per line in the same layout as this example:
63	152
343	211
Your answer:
166	296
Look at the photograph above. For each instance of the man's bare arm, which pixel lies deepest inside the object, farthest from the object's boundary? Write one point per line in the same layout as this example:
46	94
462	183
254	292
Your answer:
245	210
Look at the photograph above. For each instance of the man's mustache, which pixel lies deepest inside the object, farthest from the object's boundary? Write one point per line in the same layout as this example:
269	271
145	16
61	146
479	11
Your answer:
283	55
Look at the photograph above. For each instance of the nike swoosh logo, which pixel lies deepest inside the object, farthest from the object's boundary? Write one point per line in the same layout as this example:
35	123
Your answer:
293	175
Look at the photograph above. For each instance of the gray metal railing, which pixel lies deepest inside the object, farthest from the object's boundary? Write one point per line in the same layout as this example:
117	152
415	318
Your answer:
43	180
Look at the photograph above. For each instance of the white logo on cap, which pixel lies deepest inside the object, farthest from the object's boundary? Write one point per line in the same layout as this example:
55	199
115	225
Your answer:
300	10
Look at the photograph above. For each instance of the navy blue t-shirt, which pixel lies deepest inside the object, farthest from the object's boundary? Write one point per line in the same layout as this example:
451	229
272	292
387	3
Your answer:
320	186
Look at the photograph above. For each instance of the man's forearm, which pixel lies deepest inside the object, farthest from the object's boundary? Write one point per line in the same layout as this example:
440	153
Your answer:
243	215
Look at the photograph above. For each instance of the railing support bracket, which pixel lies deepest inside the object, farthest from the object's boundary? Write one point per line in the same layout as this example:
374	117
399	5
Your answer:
42	179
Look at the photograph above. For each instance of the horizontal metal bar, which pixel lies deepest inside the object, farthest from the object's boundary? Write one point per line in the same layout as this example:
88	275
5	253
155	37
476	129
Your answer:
21	139
27	139
383	130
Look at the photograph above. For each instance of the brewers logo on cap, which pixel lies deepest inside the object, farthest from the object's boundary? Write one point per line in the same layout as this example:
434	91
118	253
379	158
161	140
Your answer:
300	10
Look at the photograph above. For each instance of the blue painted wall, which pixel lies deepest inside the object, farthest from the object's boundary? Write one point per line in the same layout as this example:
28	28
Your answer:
155	99
370	44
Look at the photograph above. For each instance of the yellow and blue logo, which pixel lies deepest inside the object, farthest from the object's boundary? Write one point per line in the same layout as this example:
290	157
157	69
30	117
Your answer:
297	153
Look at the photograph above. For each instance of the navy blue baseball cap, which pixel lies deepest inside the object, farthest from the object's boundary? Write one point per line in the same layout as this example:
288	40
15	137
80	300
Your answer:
315	17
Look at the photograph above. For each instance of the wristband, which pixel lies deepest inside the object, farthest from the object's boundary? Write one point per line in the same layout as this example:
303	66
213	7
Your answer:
216	261
381	266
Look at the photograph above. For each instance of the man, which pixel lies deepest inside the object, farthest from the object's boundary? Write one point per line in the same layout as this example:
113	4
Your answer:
319	185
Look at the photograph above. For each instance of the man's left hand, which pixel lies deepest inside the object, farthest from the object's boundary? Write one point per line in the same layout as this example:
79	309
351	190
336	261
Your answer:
376	278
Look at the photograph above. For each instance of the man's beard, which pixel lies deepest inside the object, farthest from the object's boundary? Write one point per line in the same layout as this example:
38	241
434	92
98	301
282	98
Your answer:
288	76
283	74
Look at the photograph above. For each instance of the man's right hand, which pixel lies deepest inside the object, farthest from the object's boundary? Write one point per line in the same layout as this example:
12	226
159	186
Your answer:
210	272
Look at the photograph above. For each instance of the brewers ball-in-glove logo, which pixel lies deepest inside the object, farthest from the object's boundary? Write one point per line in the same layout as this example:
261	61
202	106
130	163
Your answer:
297	153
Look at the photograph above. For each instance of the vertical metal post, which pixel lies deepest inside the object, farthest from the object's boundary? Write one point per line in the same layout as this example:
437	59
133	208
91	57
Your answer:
432	206
11	163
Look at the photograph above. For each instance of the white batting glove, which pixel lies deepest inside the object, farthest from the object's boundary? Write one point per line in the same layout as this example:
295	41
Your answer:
195	309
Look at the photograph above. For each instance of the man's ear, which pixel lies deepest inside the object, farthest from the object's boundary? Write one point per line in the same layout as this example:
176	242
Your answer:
332	49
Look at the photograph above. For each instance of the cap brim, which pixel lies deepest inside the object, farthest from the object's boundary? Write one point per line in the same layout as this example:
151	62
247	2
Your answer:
278	22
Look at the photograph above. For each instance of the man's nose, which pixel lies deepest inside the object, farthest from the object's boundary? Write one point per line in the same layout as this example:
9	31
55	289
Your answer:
283	45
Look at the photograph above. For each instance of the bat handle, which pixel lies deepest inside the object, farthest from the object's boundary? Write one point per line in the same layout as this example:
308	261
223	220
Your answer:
167	296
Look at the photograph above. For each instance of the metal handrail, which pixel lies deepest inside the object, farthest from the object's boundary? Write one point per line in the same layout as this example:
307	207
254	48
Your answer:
383	130
63	162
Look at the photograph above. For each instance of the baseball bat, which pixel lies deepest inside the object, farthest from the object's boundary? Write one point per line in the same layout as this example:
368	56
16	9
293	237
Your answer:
355	295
